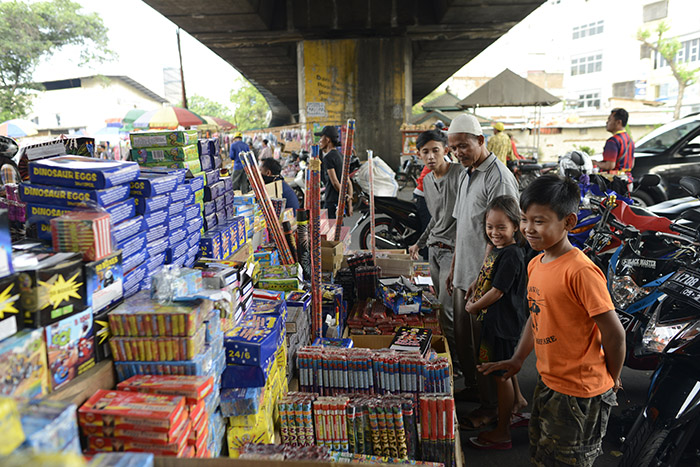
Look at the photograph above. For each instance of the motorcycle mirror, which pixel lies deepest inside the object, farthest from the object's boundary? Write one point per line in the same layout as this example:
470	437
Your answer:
691	185
649	180
8	147
693	215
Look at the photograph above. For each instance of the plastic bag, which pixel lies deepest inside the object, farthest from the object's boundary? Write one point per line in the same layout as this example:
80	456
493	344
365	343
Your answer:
384	178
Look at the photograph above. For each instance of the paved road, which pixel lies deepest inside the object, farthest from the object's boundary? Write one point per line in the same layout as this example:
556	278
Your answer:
630	400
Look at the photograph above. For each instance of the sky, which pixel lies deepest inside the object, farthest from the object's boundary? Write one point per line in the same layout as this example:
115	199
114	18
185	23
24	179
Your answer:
145	42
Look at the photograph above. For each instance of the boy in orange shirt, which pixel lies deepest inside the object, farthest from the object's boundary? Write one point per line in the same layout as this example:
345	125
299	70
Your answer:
577	336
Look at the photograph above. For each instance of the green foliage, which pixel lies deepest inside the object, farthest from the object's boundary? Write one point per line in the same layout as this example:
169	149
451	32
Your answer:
33	31
587	149
251	109
668	48
418	108
204	106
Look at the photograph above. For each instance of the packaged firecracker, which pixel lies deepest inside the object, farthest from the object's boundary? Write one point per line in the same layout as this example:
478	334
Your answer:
82	172
70	347
23	365
88	232
11	318
193	388
49	426
253	341
121	459
200	365
10	426
173	284
175	153
62	196
162	138
51	286
141	442
157	349
146	205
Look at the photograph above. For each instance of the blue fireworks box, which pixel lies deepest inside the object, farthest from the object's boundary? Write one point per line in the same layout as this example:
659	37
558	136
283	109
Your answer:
179	173
209	146
216	161
148	205
196	183
213	191
205	162
103	282
176	208
82	172
149	185
198	366
230	213
67	197
175	251
177	236
176	222
154	262
228	184
225	241
48	426
157	233
132	245
154	219
228	198
211	177
194	225
119	212
134	261
128	228
221	218
182	193
193	239
220	204
210	221
192	211
209	207
246	376
210	244
254	340
134	277
157	247
179	262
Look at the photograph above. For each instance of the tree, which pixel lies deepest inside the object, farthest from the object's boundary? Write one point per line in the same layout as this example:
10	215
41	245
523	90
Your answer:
251	109
418	108
668	49
204	106
30	32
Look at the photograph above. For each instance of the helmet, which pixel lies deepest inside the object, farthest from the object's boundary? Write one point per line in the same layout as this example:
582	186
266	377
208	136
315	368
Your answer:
439	125
238	134
575	163
8	147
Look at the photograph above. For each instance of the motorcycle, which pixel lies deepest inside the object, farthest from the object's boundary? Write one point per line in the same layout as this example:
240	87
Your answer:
409	171
669	420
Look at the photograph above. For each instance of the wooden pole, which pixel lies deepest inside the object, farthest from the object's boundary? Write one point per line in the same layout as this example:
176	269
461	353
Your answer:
182	72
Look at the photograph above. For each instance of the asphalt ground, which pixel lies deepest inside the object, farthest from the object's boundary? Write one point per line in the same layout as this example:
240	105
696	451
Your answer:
630	402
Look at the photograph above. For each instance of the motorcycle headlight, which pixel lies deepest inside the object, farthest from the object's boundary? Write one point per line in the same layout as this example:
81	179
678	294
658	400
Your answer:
625	291
657	336
690	332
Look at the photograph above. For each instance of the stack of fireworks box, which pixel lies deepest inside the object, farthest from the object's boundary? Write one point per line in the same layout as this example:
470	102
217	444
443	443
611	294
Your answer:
255	374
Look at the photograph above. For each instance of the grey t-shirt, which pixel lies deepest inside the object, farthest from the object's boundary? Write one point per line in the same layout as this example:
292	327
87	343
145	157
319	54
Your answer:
477	188
440	196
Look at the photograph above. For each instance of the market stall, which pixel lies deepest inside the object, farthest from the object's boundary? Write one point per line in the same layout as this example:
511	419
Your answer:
151	314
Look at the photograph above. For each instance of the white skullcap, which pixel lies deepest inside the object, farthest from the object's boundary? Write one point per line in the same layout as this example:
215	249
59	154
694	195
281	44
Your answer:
465	123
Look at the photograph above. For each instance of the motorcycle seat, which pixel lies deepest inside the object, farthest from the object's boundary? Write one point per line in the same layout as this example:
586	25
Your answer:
530	168
395	203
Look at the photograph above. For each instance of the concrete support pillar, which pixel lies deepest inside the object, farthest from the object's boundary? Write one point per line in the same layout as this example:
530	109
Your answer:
365	79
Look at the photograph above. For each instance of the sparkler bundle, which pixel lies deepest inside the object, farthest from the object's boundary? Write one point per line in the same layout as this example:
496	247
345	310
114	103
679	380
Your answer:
87	232
273	222
345	178
334	371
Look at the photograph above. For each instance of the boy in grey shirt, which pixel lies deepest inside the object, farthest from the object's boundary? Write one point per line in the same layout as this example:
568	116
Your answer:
440	191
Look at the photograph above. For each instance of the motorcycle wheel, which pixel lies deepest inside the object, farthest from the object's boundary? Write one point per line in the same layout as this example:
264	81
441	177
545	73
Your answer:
642	199
644	444
388	236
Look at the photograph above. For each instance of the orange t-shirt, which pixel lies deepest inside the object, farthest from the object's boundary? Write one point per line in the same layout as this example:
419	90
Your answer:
562	296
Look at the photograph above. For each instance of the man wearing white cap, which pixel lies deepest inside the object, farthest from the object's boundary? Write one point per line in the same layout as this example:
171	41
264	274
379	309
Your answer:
485	179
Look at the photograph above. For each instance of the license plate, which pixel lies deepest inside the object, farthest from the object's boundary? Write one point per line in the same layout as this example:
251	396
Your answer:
684	284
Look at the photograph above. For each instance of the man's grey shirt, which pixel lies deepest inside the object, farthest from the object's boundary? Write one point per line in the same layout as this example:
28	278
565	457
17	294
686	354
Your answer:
440	196
477	188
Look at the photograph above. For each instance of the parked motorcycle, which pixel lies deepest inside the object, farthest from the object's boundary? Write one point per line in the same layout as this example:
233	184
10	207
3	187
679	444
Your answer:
669	420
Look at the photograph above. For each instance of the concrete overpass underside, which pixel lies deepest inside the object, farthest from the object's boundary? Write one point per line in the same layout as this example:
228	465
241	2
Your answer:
276	44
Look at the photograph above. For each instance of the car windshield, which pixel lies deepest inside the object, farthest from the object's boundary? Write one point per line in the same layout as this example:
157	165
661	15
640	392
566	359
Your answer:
666	136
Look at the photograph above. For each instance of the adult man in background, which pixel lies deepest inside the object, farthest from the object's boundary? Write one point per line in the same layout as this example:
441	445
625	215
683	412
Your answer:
239	178
618	153
271	171
486	178
332	170
440	189
500	144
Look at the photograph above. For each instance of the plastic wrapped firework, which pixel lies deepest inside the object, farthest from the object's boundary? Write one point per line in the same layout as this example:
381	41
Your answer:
345	178
314	205
87	232
437	428
303	243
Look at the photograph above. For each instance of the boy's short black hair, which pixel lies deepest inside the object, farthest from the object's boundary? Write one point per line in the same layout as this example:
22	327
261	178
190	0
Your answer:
621	114
560	194
272	165
265	141
431	135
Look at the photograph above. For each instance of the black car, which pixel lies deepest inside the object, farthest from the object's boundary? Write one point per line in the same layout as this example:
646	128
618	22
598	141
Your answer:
672	151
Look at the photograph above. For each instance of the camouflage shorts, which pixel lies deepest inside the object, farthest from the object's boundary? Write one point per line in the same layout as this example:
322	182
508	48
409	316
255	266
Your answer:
567	430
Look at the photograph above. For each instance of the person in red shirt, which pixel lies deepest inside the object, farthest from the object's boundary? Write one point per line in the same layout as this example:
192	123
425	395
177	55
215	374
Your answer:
618	153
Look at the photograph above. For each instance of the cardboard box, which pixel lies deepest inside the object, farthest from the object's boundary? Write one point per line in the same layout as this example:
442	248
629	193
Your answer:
149	185
11	319
394	264
162	138
23	365
103	281
173	153
51	286
146	205
62	196
82	172
70	348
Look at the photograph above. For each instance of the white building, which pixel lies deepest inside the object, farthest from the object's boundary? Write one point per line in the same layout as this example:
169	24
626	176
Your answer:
86	103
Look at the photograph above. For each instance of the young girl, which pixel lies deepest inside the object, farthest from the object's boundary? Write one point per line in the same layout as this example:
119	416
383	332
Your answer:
499	301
